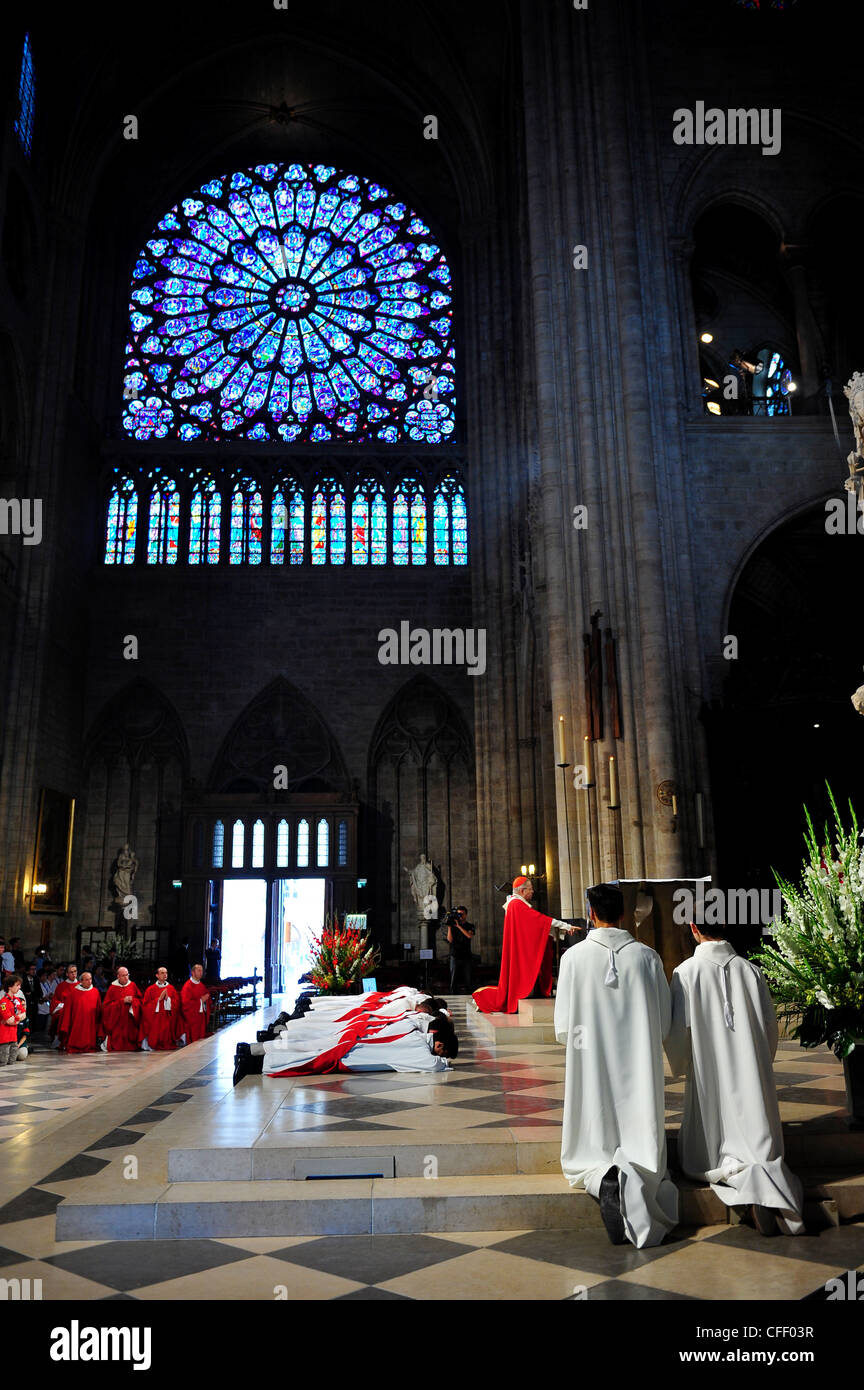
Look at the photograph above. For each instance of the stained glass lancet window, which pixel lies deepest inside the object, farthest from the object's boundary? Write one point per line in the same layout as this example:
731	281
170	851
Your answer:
409	523
122	523
328	523
258	845
287	523
205	519
771	384
450	523
343	844
292	303
247	523
303	845
164	522
26	113
369	524
238	844
282	845
323	847
218	844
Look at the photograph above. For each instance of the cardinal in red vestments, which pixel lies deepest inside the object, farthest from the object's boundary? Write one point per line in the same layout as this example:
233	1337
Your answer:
59	1005
84	1024
121	1014
527	954
195	1006
161	1023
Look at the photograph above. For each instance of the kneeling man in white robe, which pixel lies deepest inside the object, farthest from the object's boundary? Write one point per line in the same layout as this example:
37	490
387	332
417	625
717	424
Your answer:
724	1037
612	1012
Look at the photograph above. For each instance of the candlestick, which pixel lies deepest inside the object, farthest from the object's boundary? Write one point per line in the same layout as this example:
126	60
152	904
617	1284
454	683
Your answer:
562	748
589	761
674	805
613	782
700	822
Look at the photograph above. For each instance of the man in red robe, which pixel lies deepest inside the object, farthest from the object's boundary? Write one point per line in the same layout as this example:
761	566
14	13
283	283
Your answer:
84	1022
59	1006
121	1014
527	955
195	1006
160	1015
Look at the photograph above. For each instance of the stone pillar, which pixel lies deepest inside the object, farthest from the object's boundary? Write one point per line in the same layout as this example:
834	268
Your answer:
608	367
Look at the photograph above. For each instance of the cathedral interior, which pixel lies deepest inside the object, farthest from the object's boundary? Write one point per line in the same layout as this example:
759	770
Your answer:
419	431
534	437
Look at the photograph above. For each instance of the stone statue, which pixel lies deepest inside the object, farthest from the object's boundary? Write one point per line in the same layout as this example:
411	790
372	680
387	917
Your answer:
424	881
126	867
858	699
854	393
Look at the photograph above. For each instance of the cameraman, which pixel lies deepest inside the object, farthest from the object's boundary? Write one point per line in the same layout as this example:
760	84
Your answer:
460	933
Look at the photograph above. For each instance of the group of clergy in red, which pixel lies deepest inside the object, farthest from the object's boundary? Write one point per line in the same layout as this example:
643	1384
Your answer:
156	1021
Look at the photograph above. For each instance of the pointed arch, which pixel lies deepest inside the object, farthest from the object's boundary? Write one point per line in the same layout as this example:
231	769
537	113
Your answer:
279	728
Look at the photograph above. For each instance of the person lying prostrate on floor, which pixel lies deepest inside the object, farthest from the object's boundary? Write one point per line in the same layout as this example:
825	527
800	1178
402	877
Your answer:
612	1012
195	1005
59	1021
121	1014
84	1022
723	1038
425	1010
160	1015
396	1047
362	1048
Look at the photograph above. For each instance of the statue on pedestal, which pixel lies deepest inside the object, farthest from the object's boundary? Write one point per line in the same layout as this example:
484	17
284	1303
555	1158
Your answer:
125	869
424	882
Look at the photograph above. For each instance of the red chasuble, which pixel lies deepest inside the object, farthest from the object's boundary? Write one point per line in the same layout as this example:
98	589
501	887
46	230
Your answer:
84	1022
160	1026
195	1007
527	957
61	996
121	1021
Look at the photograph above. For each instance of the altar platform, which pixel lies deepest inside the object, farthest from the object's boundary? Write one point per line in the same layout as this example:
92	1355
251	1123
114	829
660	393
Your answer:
157	1178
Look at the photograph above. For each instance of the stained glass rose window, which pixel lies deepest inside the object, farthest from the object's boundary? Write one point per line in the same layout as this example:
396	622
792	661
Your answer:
291	303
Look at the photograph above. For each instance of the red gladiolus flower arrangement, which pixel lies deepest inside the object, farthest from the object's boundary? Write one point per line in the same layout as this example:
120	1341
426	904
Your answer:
341	956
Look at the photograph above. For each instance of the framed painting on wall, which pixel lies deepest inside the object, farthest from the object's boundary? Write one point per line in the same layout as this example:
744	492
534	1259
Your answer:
49	887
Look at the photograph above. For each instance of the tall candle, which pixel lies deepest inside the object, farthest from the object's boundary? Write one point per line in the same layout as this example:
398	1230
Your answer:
613	782
674	805
562	750
589	762
700	822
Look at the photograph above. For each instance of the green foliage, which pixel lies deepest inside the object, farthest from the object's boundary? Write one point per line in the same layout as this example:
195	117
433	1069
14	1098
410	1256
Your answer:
816	965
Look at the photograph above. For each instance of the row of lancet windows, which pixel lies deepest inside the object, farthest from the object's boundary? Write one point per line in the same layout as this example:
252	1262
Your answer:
243	846
371	527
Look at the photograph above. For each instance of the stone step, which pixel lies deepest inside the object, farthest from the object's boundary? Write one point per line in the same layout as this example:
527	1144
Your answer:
294	1156
511	1030
199	1210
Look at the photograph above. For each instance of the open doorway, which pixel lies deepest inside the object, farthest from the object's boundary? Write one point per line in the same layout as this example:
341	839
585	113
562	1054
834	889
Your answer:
300	915
244	926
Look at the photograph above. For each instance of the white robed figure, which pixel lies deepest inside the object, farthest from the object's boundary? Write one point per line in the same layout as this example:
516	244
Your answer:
724	1037
612	1012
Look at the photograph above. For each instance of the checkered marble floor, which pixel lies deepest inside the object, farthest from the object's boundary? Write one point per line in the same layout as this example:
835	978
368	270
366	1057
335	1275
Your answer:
490	1087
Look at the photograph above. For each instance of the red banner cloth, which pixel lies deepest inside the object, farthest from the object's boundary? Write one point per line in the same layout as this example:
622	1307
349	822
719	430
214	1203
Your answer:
527	957
331	1060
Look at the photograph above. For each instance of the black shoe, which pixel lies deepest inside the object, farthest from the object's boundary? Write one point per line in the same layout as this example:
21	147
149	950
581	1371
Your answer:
610	1208
765	1220
265	1034
245	1064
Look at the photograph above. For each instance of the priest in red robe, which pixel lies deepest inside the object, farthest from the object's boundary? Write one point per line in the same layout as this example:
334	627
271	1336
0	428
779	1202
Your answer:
161	1023
84	1022
195	1006
527	954
59	1006
121	1014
